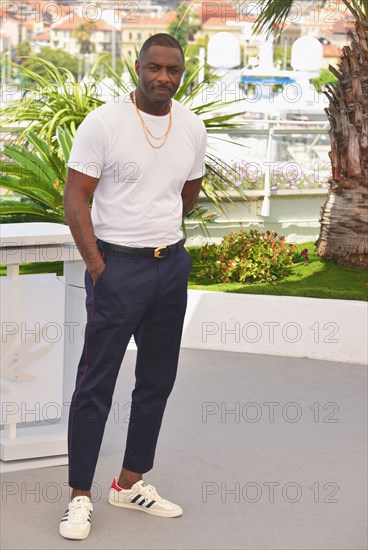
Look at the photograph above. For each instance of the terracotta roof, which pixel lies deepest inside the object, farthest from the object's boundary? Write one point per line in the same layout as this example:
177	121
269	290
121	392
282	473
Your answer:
67	24
19	4
218	22
329	50
225	11
103	25
213	22
42	36
7	15
28	11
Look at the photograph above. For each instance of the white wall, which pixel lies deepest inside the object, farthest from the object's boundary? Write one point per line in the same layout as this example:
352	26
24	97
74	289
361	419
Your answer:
333	330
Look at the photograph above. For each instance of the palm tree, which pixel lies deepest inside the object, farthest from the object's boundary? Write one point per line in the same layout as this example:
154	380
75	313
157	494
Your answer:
83	34
344	216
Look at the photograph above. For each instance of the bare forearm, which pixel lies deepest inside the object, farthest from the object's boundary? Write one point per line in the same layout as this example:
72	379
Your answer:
79	220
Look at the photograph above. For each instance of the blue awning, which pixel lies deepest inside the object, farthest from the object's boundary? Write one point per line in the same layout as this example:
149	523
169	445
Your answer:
267	79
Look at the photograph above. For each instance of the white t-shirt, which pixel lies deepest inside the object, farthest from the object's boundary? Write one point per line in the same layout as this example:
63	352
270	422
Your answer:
137	201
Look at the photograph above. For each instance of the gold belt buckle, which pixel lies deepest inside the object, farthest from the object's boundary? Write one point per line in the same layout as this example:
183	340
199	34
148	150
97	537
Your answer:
158	251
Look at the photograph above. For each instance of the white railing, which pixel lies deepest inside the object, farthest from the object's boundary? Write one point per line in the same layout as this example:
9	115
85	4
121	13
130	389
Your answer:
271	129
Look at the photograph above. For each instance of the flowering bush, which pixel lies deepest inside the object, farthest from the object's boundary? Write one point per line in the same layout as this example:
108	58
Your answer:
251	176
291	176
246	257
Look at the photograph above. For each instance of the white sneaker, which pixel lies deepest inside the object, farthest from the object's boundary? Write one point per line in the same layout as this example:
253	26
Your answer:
76	522
145	498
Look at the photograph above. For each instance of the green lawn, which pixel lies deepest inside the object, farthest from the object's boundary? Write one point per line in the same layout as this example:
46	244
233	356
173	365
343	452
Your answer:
318	279
40	267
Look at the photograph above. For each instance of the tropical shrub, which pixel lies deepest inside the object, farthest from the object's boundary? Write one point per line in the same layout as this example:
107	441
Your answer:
246	257
34	176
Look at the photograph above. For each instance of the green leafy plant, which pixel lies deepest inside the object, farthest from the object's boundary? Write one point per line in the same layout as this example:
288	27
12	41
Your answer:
54	99
56	56
33	175
325	77
186	25
246	257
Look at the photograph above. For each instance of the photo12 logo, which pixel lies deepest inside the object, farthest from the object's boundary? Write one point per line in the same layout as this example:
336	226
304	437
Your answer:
36	492
269	331
269	492
53	12
268	411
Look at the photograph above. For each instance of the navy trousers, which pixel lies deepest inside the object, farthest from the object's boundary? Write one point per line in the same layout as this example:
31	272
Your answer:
147	298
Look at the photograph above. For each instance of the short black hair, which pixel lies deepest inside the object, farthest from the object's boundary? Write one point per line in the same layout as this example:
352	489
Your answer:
161	39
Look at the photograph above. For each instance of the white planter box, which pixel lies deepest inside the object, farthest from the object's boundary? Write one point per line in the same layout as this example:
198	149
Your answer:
332	330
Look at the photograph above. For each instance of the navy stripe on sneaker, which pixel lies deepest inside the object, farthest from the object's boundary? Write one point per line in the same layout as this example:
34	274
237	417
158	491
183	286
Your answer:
145	498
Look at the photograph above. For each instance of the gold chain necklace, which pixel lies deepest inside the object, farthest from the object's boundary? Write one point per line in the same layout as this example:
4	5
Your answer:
146	130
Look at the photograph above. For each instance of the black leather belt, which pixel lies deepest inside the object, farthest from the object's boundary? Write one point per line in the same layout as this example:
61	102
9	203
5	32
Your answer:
158	252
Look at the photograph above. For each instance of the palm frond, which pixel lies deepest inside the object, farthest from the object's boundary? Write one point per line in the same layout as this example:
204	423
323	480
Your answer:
201	215
65	141
273	14
46	153
31	189
42	170
23	209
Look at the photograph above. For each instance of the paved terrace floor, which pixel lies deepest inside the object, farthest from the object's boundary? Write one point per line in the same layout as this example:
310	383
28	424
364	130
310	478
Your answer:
244	481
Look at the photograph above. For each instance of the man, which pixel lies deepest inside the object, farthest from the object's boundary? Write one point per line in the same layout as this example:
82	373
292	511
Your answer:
143	159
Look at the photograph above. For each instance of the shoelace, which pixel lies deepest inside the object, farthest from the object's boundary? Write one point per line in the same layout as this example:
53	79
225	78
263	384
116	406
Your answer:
79	510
